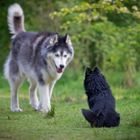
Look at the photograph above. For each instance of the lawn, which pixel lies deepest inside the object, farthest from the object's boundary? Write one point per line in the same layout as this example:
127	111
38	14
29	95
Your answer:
67	122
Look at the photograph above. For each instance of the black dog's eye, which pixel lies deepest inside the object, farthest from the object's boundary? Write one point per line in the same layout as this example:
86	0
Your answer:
65	55
57	55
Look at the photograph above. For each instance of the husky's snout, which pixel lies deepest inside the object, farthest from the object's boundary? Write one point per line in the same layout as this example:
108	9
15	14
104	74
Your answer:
60	68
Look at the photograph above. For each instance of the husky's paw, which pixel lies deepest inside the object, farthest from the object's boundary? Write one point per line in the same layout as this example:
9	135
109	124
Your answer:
43	110
35	106
16	109
34	103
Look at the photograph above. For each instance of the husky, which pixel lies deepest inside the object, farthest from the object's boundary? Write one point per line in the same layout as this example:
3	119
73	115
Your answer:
100	100
39	57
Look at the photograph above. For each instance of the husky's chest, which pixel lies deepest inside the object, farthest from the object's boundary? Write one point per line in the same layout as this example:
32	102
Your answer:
49	77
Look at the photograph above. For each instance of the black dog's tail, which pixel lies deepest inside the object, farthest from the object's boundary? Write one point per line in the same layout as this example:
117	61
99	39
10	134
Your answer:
99	120
95	120
88	114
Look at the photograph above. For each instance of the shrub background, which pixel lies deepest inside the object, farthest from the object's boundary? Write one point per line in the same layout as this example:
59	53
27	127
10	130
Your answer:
104	32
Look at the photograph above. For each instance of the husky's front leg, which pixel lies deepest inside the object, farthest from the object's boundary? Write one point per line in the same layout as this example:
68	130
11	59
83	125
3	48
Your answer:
51	86
33	95
44	105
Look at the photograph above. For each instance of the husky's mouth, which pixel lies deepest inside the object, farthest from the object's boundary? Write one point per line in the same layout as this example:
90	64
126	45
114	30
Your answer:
59	70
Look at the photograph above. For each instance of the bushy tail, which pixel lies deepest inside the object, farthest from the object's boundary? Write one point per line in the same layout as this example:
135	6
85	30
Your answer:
89	115
15	19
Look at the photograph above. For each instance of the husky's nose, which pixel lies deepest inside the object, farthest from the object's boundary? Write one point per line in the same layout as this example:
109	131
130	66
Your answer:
61	66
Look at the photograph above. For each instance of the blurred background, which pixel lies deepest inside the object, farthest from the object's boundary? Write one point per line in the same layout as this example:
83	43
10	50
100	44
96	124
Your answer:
104	32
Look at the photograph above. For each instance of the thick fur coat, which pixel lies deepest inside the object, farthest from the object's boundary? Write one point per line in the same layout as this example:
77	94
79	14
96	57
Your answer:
100	100
41	58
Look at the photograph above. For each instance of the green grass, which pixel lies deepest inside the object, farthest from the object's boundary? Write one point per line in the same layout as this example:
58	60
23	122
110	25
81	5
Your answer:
66	121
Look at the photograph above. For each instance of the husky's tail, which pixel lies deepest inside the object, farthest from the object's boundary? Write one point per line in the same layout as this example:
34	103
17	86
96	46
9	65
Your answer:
15	19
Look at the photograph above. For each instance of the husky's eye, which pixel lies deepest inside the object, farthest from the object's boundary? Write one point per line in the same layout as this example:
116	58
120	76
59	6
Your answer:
65	55
57	55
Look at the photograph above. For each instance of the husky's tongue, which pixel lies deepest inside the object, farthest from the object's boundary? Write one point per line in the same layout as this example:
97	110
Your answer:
59	70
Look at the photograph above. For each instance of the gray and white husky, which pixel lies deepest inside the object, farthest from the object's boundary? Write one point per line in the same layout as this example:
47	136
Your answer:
39	57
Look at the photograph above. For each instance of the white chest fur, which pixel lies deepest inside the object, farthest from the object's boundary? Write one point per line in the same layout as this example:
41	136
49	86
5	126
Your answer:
49	76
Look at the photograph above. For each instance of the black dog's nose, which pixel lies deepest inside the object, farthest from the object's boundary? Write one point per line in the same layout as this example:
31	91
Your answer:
61	66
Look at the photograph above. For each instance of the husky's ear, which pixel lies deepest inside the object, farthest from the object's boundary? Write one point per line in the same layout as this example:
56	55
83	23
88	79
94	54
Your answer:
53	39
68	40
88	71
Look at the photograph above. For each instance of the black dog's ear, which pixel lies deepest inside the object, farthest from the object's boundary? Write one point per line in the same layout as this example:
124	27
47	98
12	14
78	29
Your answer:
89	115
96	70
88	71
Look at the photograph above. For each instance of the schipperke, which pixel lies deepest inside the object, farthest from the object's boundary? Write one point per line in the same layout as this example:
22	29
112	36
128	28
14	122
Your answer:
100	100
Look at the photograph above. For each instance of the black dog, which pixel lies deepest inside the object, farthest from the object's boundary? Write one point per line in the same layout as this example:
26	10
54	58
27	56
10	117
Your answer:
100	100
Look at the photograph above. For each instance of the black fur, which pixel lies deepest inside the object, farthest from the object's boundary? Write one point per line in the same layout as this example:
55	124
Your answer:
100	100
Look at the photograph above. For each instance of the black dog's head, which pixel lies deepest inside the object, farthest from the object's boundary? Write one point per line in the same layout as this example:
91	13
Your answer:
95	81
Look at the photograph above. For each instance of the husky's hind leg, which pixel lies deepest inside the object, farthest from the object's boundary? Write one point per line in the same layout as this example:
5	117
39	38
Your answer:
12	75
33	94
14	84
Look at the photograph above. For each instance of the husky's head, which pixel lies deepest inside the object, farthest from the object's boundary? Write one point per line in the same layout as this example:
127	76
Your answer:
59	52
